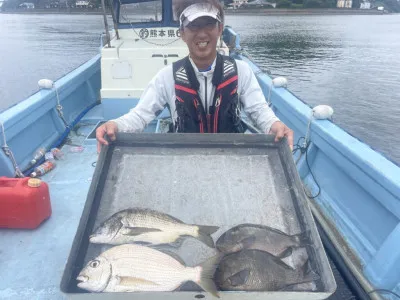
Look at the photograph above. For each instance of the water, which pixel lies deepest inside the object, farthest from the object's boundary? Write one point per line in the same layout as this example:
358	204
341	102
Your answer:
348	62
33	47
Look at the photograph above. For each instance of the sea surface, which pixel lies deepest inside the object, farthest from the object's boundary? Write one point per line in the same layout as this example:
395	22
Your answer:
349	62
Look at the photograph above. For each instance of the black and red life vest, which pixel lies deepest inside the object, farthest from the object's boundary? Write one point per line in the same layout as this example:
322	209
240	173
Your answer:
224	111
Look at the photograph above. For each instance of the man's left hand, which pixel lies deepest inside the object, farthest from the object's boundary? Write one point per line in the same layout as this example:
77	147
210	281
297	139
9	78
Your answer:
280	130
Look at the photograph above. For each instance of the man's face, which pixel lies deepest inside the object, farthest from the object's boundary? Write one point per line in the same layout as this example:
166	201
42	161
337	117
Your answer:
202	36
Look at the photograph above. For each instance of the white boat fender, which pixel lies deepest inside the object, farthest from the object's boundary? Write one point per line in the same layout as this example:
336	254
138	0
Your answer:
276	82
319	112
322	112
46	83
49	84
280	82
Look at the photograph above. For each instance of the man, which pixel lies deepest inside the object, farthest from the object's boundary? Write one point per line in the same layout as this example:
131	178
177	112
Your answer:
204	91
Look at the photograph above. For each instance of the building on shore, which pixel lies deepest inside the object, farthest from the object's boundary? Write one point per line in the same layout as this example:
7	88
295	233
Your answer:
82	4
251	4
365	5
237	3
261	3
344	3
27	5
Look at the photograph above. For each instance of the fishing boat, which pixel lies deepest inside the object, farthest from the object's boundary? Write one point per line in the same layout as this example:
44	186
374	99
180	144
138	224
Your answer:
353	191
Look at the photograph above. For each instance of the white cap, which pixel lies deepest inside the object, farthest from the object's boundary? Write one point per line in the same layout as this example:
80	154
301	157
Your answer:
198	10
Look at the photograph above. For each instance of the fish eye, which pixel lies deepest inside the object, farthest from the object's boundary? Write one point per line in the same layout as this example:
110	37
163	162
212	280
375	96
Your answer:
94	263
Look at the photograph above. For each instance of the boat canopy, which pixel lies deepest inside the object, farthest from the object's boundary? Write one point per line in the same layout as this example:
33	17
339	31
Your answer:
145	14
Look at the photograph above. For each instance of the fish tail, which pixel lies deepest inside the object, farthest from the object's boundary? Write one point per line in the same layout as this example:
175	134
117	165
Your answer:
206	281
308	273
204	234
302	238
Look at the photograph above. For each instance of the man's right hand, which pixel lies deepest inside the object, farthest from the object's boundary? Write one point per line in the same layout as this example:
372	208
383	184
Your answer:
110	129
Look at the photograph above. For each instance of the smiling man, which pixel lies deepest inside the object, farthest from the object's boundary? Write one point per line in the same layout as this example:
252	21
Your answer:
204	91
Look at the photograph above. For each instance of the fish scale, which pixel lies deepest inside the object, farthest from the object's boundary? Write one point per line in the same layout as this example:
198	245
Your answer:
152	220
255	236
255	270
137	225
128	268
149	264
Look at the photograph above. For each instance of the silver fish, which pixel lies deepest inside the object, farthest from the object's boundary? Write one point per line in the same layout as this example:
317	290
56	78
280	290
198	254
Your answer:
255	270
252	236
132	268
137	225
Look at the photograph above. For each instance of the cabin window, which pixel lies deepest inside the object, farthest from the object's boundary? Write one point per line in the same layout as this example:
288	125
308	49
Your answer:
142	12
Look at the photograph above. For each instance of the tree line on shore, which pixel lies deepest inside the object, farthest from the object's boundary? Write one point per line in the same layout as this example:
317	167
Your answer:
50	4
390	5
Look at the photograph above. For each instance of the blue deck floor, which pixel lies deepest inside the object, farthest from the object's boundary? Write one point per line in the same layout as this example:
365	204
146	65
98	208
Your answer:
32	261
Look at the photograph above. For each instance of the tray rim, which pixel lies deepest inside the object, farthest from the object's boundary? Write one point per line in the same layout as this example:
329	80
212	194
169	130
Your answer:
177	140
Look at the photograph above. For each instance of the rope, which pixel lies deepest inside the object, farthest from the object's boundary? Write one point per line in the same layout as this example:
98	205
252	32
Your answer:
9	153
303	149
60	108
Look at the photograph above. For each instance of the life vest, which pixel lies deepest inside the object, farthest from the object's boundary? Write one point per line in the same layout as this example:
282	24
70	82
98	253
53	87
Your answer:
224	112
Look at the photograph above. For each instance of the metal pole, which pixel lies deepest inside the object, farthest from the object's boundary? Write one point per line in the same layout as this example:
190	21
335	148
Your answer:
106	23
114	17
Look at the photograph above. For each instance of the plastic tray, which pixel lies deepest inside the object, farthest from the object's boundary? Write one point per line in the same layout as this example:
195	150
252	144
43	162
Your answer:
207	179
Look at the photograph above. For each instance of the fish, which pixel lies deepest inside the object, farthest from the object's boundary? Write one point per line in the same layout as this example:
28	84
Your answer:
256	270
149	227
253	236
133	268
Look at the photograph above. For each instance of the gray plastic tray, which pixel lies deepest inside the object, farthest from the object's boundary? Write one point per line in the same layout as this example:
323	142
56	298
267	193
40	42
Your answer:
207	179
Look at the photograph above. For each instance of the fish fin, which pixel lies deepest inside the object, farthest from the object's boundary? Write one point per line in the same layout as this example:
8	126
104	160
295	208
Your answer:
174	245
177	244
207	275
248	242
285	253
304	274
240	277
134	281
308	273
300	287
302	238
262	227
173	255
289	287
205	234
279	261
137	230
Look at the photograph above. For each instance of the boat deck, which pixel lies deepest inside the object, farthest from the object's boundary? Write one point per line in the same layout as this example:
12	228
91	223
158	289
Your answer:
32	261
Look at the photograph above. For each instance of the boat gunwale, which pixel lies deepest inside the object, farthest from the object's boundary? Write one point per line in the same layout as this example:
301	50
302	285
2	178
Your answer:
374	164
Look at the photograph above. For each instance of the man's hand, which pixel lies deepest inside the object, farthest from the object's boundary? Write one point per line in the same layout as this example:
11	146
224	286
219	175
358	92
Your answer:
110	129
280	130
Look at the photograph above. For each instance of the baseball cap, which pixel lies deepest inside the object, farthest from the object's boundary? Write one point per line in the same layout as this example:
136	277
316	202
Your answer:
198	10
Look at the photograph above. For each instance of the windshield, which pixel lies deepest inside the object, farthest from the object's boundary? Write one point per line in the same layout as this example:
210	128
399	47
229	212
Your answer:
143	12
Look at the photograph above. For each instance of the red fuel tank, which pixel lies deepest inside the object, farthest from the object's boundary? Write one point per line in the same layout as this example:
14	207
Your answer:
24	202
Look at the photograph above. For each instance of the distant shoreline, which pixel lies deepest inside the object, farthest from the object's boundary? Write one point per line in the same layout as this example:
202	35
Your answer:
302	11
54	12
229	12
